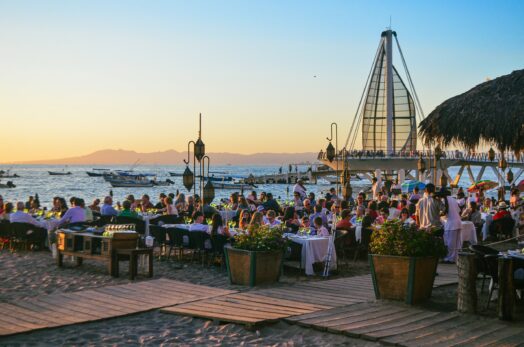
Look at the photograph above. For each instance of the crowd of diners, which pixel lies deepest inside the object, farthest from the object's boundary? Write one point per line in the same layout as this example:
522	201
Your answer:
317	214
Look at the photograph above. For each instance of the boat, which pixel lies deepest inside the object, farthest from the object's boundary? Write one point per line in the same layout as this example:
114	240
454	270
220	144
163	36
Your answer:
59	173
240	186
117	183
7	174
176	174
221	179
95	174
9	184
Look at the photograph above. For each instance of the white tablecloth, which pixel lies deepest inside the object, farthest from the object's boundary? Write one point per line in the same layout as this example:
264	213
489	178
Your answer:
314	249
468	233
146	219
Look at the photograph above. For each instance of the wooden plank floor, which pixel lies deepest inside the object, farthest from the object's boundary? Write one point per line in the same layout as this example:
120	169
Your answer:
244	308
62	309
403	325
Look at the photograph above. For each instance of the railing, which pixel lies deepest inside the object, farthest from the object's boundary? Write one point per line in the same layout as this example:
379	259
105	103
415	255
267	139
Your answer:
454	155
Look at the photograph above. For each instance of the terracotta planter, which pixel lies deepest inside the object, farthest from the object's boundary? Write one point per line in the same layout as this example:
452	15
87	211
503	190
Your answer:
409	279
252	268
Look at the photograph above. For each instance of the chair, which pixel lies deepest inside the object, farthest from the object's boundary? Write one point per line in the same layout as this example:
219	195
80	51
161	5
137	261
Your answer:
217	243
105	219
364	242
345	241
140	225
197	243
28	235
176	240
167	219
503	228
482	263
5	234
159	233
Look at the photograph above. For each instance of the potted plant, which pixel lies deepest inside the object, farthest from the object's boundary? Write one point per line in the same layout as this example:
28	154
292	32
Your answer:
257	255
404	261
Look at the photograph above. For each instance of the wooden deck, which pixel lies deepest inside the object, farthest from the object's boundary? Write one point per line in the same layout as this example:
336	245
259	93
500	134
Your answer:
55	310
403	325
244	308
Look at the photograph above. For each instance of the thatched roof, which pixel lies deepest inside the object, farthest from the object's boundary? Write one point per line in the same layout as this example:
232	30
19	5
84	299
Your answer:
492	112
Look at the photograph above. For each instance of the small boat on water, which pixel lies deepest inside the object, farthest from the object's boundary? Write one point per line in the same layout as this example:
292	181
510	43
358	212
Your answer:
59	173
118	183
176	174
240	186
221	179
9	184
95	174
167	182
7	174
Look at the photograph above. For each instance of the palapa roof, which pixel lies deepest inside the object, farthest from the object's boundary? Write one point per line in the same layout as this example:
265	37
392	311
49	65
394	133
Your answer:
491	112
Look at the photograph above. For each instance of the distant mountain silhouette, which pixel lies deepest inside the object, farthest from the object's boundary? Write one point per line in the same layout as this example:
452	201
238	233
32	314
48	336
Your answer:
170	157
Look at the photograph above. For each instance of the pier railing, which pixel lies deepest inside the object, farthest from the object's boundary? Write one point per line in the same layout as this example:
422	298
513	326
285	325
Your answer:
453	155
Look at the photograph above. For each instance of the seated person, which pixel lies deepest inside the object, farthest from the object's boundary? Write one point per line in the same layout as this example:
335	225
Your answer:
257	219
345	223
405	218
359	214
127	212
22	217
146	203
472	214
198	222
304	222
383	217
6	213
272	218
319	227
107	208
217	226
503	211
75	214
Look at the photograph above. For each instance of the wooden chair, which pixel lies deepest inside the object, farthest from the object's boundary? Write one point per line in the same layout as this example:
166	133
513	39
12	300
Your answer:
364	242
27	235
345	242
176	240
197	242
218	242
482	262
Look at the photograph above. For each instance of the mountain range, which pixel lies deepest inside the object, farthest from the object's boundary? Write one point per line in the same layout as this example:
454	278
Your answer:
171	157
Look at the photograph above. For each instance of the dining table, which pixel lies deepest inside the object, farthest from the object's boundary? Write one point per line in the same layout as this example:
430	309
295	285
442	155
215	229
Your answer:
314	249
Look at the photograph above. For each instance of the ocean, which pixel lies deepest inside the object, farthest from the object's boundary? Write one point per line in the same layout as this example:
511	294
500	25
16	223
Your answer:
35	179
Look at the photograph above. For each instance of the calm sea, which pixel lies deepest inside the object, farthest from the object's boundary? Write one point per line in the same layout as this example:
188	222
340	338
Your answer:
35	179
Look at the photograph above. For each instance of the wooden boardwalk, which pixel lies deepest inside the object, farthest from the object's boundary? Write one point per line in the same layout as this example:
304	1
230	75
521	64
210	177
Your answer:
62	309
244	308
403	325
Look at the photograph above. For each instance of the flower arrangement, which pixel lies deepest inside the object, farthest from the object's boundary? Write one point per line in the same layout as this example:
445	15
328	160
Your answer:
397	239
261	238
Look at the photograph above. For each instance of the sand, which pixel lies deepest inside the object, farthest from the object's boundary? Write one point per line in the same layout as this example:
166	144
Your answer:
30	274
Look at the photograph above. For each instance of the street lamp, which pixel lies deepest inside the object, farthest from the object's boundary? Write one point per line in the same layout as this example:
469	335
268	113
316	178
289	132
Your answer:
331	152
188	179
438	154
208	190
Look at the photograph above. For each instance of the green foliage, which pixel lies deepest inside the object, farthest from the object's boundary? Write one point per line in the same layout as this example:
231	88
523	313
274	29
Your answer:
261	238
396	238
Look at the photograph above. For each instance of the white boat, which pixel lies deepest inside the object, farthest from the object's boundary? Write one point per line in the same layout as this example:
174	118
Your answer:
238	186
120	183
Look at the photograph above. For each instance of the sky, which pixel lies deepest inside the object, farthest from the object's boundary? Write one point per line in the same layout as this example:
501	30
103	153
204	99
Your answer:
81	76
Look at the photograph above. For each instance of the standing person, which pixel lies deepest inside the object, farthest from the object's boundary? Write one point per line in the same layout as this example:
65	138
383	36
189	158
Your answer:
428	210
451	227
300	189
376	187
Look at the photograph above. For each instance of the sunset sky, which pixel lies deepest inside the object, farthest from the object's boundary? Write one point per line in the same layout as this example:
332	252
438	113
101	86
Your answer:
79	76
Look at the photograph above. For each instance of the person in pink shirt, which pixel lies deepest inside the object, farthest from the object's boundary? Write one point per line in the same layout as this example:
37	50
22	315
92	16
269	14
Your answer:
321	230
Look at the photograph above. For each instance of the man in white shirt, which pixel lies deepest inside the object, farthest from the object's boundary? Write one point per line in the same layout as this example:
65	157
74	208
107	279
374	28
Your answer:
300	189
198	222
21	217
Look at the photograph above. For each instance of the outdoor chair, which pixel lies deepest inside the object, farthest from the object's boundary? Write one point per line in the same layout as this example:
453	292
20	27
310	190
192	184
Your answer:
217	243
27	235
345	242
103	220
364	242
159	234
5	234
502	229
197	244
482	263
176	240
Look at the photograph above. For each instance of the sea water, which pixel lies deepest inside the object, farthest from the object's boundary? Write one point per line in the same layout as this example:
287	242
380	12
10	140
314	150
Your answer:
35	179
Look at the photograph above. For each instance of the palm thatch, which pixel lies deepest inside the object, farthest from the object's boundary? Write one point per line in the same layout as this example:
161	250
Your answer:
492	112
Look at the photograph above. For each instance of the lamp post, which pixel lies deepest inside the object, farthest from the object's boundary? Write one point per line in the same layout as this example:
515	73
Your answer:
199	154
332	153
503	165
207	190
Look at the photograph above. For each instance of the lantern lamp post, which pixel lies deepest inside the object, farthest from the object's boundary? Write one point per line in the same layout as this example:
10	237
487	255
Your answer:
332	153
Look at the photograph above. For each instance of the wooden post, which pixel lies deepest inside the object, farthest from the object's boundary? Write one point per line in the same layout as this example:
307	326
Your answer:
506	303
467	283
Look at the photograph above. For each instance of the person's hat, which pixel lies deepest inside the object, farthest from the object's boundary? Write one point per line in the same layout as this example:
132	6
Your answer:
260	208
502	205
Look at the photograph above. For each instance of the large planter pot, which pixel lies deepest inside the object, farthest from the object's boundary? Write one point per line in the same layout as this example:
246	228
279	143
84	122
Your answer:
253	268
409	279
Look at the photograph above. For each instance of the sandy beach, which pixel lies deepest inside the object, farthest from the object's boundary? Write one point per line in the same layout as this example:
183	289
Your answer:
30	274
